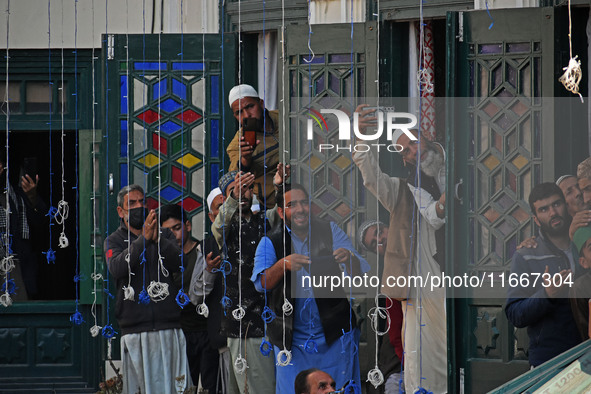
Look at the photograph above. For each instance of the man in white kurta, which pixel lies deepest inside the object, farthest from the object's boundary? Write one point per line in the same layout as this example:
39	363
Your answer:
424	329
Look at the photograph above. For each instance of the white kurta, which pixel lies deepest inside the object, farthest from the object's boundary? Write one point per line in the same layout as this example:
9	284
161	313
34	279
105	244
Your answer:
155	362
424	330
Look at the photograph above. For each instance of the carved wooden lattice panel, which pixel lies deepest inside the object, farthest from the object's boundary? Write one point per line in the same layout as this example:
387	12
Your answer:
505	148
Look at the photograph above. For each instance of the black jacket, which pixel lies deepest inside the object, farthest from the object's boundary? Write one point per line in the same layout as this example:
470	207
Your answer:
132	316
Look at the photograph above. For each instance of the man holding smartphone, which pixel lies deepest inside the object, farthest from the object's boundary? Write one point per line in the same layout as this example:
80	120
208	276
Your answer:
255	147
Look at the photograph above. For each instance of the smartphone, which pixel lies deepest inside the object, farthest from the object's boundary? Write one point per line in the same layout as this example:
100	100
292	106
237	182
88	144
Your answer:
250	126
30	167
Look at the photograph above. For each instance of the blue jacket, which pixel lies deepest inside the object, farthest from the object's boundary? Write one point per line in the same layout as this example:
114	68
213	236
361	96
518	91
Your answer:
550	324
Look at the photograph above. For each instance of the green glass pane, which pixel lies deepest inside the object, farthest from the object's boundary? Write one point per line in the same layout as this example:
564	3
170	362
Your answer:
123	66
177	145
163	173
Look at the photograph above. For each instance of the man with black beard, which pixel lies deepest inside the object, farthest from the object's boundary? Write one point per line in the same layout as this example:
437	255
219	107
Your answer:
141	258
539	300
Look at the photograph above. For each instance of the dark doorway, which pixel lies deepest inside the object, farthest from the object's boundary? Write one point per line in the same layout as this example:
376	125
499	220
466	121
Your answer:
55	281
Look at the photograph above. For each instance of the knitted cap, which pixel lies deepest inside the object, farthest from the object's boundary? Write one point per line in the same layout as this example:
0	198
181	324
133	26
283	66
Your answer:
363	229
398	133
226	180
581	236
212	195
562	178
241	91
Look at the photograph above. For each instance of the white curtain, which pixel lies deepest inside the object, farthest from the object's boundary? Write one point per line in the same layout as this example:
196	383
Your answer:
267	69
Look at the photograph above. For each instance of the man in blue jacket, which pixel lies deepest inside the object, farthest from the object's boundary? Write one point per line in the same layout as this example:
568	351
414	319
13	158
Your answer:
538	298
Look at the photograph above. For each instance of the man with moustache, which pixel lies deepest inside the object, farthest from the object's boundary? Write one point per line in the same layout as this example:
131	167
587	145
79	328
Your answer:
320	331
153	347
237	232
262	158
542	306
417	211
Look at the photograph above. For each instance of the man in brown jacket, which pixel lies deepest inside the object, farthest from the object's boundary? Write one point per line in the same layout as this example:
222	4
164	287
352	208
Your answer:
415	216
260	159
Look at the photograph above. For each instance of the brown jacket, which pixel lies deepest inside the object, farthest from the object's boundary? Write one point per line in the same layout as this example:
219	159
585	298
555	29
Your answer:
266	153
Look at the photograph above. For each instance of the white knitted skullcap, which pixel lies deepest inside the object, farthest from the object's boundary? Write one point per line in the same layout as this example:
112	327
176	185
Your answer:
397	134
240	92
213	194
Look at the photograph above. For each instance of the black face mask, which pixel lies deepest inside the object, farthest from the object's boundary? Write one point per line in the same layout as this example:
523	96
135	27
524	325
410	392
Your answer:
137	217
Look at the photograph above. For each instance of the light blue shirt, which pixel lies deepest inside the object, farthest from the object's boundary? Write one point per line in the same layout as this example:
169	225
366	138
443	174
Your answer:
265	255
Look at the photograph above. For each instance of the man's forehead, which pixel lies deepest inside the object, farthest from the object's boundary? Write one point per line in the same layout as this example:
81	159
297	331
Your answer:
134	195
295	195
584	182
243	102
548	201
568	184
171	222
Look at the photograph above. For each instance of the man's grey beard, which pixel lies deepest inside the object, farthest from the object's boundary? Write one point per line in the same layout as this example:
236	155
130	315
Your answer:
431	160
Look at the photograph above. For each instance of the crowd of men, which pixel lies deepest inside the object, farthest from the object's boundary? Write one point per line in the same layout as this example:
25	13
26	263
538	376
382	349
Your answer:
250	330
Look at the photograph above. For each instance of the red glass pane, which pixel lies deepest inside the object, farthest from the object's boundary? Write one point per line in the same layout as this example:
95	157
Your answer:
149	116
189	204
159	143
151	203
179	177
189	116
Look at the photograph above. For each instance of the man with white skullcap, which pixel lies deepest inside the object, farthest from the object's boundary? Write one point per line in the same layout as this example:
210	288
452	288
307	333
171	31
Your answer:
417	211
261	156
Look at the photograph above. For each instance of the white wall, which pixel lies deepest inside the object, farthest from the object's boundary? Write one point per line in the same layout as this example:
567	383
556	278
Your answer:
29	20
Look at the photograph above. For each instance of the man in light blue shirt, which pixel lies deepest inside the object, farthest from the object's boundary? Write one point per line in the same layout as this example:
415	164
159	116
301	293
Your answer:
321	330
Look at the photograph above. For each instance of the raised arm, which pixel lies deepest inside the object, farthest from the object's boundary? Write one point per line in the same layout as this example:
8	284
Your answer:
384	187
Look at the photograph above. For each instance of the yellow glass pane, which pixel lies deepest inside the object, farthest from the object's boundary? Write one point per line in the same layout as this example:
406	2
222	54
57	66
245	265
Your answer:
342	162
491	162
519	162
150	160
315	162
188	160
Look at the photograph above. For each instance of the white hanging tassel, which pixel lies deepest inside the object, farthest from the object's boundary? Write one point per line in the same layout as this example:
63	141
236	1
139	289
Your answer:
572	76
375	377
158	291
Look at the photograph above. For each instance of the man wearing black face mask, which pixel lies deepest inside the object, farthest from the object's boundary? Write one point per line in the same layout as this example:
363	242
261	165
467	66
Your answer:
141	258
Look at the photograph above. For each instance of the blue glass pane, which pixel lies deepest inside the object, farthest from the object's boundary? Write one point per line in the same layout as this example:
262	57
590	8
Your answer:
123	175
169	193
123	139
215	175
149	66
123	86
214	134
160	89
169	127
179	89
170	105
315	60
215	95
188	66
339	58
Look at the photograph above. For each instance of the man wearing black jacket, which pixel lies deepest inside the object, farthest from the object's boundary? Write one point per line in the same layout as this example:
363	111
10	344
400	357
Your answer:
202	356
141	258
